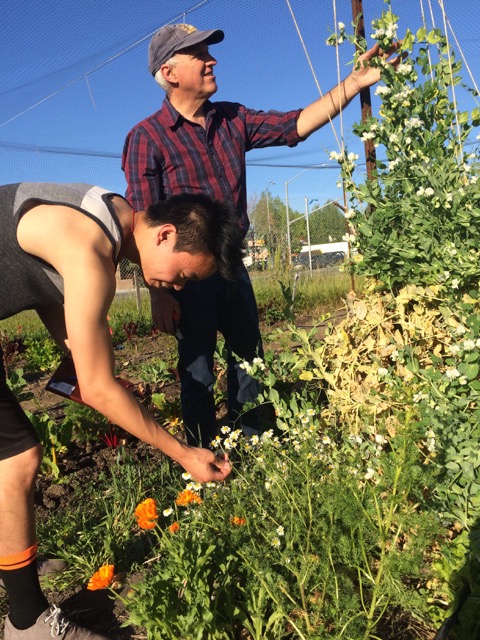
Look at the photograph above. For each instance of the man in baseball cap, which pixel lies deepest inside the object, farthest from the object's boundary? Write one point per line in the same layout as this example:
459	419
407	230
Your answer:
195	145
168	40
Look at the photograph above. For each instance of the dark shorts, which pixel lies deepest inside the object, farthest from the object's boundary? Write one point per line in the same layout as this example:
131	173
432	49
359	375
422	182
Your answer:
16	431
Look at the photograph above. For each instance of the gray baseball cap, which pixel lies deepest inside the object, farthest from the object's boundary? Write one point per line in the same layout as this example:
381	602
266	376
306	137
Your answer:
175	37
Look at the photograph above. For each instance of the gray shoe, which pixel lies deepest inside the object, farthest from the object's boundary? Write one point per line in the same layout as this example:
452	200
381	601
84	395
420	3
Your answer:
47	568
50	624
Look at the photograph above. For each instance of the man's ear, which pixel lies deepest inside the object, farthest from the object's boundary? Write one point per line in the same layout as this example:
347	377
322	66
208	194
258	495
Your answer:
169	73
166	233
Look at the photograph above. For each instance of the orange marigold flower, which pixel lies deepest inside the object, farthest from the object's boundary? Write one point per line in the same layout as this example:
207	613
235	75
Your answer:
174	527
147	514
237	521
102	578
187	496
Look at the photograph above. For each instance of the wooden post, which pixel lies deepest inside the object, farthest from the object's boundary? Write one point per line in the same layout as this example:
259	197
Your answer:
365	96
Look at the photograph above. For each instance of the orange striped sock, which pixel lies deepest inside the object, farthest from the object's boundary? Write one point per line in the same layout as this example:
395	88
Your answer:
19	560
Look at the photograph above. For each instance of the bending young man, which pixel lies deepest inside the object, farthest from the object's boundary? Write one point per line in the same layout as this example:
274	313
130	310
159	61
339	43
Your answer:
59	248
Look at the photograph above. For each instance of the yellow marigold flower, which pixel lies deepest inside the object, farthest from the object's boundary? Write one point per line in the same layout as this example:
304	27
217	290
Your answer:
102	578
237	521
186	497
174	527
147	514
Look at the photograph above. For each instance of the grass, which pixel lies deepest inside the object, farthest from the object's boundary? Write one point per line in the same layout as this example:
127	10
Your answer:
315	294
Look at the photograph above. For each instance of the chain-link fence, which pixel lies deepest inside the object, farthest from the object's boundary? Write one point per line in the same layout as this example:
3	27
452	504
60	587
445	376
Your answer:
310	239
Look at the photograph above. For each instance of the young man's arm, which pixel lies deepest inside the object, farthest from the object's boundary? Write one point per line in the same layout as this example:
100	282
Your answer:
89	289
317	114
53	317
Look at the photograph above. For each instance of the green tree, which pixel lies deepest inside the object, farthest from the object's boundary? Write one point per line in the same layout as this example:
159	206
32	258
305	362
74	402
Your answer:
327	224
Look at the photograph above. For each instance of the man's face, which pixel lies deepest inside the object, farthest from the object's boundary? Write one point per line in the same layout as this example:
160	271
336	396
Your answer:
194	71
164	267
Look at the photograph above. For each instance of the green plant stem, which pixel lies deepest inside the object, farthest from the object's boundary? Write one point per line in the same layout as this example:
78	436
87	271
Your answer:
372	620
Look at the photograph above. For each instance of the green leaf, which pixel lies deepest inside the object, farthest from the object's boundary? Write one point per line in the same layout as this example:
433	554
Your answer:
421	34
433	37
470	371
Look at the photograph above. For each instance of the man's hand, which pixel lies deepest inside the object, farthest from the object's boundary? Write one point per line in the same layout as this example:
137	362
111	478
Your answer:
165	310
204	466
324	109
366	75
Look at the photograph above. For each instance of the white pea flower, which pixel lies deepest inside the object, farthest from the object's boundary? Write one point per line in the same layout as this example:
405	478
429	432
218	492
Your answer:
414	123
352	156
452	373
379	439
367	135
349	214
246	366
393	163
468	345
404	68
370	473
341	26
455	283
382	91
259	363
378	33
382	371
418	397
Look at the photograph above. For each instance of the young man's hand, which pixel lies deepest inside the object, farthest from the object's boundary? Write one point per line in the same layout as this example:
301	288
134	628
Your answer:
204	466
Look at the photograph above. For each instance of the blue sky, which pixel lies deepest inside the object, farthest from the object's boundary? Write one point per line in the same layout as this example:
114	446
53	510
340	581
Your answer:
75	78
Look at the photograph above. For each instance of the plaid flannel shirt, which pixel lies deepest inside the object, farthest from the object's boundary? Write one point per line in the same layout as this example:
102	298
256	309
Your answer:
166	154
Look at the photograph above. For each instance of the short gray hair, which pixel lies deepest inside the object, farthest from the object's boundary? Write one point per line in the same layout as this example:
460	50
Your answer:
160	80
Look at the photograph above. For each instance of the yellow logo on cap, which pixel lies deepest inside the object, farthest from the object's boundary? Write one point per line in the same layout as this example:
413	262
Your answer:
188	28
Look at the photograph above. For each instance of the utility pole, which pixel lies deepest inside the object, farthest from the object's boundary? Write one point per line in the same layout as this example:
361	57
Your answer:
365	96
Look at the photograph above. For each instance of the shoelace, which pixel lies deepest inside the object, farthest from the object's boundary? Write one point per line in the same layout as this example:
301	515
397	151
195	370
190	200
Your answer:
58	623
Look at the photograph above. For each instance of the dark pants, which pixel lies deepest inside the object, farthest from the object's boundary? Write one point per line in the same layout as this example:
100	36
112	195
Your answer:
209	306
16	431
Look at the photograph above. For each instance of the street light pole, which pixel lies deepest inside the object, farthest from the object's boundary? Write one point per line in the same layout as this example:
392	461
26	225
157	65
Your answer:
308	233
